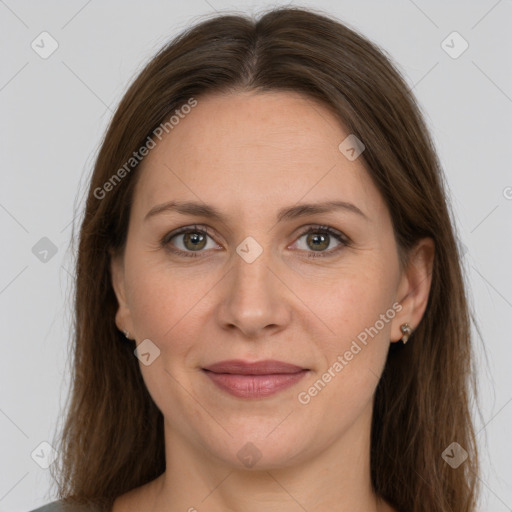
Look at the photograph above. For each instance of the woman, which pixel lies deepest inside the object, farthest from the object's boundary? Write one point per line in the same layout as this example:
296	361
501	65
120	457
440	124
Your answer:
270	312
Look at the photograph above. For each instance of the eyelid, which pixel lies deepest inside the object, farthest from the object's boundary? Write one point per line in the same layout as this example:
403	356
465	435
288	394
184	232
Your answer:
313	228
186	229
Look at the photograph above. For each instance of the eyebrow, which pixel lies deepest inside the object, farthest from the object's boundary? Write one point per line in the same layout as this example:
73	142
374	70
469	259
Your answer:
287	213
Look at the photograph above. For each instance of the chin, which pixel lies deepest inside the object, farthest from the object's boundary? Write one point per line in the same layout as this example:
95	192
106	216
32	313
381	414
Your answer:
261	451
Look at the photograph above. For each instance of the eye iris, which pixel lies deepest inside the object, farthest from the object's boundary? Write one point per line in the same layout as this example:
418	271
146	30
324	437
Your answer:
198	240
320	241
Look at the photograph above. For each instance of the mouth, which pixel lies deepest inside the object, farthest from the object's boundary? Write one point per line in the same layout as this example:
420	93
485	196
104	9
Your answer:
259	379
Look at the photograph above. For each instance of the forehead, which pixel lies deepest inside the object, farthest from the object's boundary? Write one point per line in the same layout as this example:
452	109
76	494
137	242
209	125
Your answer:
258	150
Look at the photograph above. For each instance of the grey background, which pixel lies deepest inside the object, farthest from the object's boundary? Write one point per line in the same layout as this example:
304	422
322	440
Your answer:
54	112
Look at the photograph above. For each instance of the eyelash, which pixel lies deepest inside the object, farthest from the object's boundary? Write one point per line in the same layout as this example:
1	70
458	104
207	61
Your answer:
340	237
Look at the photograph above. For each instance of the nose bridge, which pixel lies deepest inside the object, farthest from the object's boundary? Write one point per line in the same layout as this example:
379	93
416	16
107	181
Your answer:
253	298
251	277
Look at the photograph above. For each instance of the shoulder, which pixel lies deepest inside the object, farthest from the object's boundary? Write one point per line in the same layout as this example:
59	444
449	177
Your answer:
61	506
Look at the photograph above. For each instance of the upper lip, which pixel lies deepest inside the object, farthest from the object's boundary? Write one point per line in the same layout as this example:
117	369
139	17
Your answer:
241	367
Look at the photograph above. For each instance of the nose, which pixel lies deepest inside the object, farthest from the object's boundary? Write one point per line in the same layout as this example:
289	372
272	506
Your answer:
254	299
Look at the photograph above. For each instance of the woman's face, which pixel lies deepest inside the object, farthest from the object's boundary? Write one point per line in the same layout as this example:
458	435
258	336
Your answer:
253	285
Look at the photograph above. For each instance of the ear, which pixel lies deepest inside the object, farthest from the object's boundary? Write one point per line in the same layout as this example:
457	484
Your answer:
414	287
123	316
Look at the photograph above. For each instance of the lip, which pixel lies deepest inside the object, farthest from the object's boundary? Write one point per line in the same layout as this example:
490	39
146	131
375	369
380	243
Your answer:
258	379
241	367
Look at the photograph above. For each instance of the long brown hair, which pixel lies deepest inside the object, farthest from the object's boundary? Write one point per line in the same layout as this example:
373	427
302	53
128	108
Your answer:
112	439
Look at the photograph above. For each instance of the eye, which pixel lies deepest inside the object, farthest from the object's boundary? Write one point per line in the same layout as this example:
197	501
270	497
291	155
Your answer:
191	240
188	241
319	238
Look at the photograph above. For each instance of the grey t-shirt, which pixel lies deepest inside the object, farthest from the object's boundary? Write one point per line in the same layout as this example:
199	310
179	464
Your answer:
60	506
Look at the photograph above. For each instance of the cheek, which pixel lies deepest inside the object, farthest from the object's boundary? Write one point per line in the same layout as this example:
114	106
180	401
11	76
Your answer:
162	310
353	357
357	305
154	307
165	300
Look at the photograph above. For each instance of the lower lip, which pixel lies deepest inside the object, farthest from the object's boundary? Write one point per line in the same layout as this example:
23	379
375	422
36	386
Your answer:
254	386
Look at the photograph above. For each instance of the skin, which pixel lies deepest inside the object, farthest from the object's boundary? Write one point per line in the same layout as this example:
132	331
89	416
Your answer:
250	154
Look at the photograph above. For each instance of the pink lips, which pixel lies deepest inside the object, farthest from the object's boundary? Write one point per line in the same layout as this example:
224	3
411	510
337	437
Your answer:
254	380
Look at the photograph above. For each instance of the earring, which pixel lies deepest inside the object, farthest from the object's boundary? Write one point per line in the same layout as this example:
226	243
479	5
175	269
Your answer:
126	334
407	331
